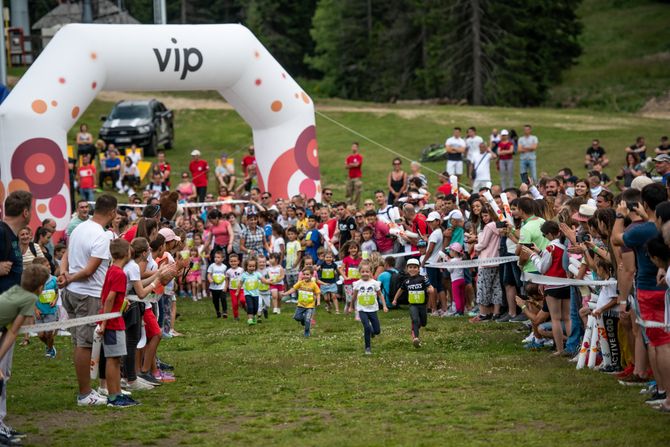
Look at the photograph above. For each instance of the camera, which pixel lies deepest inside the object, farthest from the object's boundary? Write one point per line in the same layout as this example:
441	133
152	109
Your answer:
501	224
583	237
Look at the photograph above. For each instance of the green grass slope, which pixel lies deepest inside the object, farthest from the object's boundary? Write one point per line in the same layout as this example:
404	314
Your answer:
626	56
469	385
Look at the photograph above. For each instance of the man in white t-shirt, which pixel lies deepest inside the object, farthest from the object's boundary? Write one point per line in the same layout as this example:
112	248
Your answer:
472	143
82	273
527	148
435	242
455	148
481	167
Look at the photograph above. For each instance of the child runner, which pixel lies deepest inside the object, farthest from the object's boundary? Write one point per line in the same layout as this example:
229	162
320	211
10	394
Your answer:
278	244
458	281
276	273
308	295
113	330
264	293
203	254
366	292
350	273
194	276
416	286
46	310
293	257
216	275
234	280
328	276
368	245
250	280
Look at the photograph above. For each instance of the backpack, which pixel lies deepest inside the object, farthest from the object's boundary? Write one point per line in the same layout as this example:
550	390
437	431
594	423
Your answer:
31	246
395	284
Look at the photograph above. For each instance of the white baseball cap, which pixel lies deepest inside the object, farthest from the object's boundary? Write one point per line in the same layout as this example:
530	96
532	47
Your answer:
504	132
433	216
195	152
455	214
413	261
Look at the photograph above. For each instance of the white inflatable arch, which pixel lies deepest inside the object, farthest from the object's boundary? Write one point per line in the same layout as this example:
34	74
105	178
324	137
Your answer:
81	60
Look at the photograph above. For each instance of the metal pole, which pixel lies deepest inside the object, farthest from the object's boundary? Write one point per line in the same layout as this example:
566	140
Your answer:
160	12
87	12
3	48
21	19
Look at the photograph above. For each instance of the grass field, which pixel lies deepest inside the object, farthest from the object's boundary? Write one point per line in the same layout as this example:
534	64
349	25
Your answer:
626	47
564	135
268	385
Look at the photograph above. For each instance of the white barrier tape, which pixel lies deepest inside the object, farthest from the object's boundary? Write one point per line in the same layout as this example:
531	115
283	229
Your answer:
137	299
56	325
474	263
653	324
552	281
183	205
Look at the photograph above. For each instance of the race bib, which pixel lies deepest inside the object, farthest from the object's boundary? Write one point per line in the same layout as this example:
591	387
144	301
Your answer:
251	284
353	273
235	283
263	287
366	255
47	296
274	279
417	297
367	299
218	278
185	254
196	267
305	297
328	273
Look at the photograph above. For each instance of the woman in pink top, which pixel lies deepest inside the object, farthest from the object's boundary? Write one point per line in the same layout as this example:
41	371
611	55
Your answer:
186	189
221	233
489	291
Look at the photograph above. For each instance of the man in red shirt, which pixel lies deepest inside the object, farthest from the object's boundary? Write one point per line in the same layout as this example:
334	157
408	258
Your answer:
164	167
445	187
249	160
506	163
199	170
354	184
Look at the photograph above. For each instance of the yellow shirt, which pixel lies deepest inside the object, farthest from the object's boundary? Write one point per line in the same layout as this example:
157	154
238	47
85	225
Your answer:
307	293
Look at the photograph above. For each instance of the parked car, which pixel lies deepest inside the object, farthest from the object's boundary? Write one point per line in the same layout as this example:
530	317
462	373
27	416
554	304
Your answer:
146	123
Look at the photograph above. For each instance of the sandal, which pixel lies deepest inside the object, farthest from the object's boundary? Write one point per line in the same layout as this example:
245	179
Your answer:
663	409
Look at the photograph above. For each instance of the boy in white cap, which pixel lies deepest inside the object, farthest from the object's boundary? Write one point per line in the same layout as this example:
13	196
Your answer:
417	287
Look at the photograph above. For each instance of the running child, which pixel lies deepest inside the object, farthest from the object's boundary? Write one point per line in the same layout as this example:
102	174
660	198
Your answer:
350	273
249	281
293	257
366	292
216	275
203	254
328	276
416	286
233	282
276	274
46	310
308	297
264	294
194	276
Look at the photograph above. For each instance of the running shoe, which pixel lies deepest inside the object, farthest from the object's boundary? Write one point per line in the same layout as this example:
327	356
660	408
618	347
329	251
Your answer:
92	399
504	318
628	370
149	378
122	402
480	318
165	377
656	398
140	385
163	366
634	380
416	342
520	318
368	351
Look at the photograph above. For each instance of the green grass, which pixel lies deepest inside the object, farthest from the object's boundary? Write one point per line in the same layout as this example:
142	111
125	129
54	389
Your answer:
626	56
564	135
267	385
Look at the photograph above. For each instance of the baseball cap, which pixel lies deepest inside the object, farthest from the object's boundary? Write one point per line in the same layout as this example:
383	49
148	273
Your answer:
457	247
504	132
195	152
413	261
433	216
169	235
662	158
455	214
585	213
640	182
421	243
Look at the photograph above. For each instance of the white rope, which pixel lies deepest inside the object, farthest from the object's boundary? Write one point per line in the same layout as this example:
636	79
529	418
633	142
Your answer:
56	325
184	205
400	255
473	263
553	281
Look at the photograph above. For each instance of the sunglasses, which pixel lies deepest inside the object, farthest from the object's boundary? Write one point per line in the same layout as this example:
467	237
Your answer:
327	193
369	204
265	197
359	217
397	164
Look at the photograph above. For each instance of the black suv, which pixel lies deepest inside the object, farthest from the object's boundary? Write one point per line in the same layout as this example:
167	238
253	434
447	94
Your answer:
146	123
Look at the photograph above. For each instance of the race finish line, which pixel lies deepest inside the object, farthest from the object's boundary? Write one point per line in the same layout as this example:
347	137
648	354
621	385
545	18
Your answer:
488	262
58	325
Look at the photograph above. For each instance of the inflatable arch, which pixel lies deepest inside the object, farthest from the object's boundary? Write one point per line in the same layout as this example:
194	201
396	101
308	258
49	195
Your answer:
81	60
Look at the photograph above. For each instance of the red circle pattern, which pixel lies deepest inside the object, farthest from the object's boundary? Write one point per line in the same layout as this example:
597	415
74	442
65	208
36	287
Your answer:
39	162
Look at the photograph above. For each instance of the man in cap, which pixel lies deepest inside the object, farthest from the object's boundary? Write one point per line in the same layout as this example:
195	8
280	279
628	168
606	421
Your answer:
662	162
199	171
435	243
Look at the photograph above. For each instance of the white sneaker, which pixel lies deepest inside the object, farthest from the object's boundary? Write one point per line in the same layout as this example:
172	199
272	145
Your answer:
140	385
103	392
528	339
93	399
278	311
575	359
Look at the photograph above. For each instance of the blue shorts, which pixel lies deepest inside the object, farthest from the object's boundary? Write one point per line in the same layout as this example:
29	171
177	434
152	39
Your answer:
435	278
329	288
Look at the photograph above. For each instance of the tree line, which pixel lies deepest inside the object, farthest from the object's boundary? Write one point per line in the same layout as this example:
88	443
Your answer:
497	52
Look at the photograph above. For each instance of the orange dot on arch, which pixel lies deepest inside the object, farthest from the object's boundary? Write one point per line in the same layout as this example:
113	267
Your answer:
41	208
257	55
61	80
17	185
54	103
276	106
75	112
94	55
39	106
258	81
305	98
94	85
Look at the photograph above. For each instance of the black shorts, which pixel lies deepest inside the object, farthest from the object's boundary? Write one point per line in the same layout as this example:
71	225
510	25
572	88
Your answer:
561	293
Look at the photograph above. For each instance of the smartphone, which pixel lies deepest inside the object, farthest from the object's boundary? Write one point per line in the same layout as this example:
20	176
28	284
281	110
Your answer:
631	206
502	224
529	245
524	178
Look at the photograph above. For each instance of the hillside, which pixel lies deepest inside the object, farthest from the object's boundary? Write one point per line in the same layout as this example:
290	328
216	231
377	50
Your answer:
625	60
